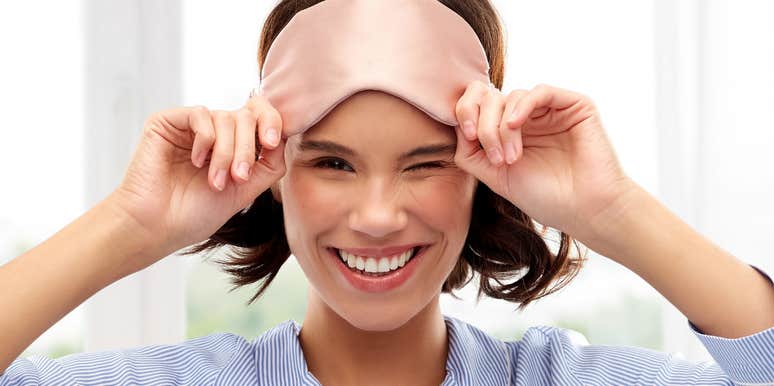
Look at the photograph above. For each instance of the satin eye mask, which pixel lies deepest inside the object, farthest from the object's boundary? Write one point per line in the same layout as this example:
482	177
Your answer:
418	50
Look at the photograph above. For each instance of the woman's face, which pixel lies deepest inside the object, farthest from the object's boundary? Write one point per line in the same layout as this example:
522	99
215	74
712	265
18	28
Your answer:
373	179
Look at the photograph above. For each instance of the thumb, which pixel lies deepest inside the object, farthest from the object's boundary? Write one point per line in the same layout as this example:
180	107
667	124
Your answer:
470	157
269	168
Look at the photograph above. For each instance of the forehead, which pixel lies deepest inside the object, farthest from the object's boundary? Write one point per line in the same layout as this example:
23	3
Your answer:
374	116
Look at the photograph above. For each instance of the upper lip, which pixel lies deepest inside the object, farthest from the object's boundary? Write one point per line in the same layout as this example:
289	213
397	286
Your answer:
384	251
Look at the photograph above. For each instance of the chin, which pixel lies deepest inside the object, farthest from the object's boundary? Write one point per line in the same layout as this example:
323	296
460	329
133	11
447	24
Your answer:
378	317
377	322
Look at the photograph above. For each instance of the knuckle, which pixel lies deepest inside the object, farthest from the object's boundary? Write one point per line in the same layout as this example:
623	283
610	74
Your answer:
256	98
461	109
542	87
208	137
222	158
253	104
264	112
245	114
244	150
272	118
587	99
478	84
220	115
487	135
199	109
154	119
494	95
516	94
590	105
149	129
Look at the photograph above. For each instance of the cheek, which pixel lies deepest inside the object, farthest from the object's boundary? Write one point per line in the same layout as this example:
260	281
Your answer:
444	202
310	207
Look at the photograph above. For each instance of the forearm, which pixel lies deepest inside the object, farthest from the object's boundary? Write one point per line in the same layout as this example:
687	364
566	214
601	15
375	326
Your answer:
41	286
720	294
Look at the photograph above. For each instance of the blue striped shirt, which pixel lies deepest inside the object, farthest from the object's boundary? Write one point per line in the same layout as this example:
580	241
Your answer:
544	356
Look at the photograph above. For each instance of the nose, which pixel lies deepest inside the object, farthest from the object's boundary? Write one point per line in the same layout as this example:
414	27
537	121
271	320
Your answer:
378	212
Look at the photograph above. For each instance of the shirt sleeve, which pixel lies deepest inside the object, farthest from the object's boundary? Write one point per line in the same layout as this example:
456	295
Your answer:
747	360
550	355
556	356
196	361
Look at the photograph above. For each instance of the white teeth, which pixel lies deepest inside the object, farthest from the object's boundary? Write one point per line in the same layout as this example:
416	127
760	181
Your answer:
394	262
375	264
384	264
370	265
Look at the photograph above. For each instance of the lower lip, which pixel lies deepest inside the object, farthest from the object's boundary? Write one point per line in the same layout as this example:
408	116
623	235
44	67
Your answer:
378	283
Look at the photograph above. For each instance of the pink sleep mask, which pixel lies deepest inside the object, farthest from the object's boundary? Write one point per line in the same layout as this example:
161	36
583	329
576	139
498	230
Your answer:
418	50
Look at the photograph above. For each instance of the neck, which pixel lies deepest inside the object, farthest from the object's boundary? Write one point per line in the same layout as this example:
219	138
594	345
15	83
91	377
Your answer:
338	353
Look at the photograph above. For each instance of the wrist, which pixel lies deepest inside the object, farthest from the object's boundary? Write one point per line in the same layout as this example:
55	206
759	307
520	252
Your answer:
138	246
610	229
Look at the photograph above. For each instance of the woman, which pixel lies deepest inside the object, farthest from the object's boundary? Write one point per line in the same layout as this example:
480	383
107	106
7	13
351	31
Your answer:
386	205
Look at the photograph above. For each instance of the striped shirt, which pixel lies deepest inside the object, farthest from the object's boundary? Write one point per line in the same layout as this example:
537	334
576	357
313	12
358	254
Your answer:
543	356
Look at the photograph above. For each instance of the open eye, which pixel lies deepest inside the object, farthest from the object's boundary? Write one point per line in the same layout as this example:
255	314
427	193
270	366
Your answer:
333	163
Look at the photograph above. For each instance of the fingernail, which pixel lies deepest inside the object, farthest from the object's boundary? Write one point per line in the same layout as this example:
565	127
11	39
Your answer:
513	116
495	156
200	159
469	128
510	153
243	170
220	179
271	136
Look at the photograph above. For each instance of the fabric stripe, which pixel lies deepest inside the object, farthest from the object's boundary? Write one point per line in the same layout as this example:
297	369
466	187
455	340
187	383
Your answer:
544	356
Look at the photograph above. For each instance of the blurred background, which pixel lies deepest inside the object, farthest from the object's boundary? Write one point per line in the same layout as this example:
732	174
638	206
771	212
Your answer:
685	89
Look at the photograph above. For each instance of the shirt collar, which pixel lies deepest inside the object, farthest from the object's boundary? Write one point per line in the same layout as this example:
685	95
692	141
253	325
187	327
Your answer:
475	358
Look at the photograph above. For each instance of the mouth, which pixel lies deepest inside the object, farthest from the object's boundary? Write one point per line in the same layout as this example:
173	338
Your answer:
378	273
374	265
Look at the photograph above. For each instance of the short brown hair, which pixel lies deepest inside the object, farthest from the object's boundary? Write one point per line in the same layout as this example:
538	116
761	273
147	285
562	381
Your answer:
503	245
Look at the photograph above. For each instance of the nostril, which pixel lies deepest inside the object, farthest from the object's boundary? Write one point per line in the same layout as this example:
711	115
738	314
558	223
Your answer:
377	224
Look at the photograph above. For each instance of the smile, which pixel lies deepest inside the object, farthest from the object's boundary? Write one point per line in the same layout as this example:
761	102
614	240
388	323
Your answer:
374	264
378	270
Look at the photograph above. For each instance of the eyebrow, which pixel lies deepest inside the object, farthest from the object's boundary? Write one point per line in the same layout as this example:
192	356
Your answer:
335	148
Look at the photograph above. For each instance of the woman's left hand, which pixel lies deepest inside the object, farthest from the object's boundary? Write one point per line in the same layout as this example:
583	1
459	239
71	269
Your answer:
552	159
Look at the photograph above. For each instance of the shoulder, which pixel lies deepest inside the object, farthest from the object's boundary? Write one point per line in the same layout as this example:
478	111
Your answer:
200	360
566	355
550	355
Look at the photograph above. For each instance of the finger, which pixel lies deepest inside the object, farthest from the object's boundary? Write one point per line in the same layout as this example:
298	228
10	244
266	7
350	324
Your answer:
269	121
223	151
539	100
201	125
489	126
471	158
468	107
244	146
511	137
269	167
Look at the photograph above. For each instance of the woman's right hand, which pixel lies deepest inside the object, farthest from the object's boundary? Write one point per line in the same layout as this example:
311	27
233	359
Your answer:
178	192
